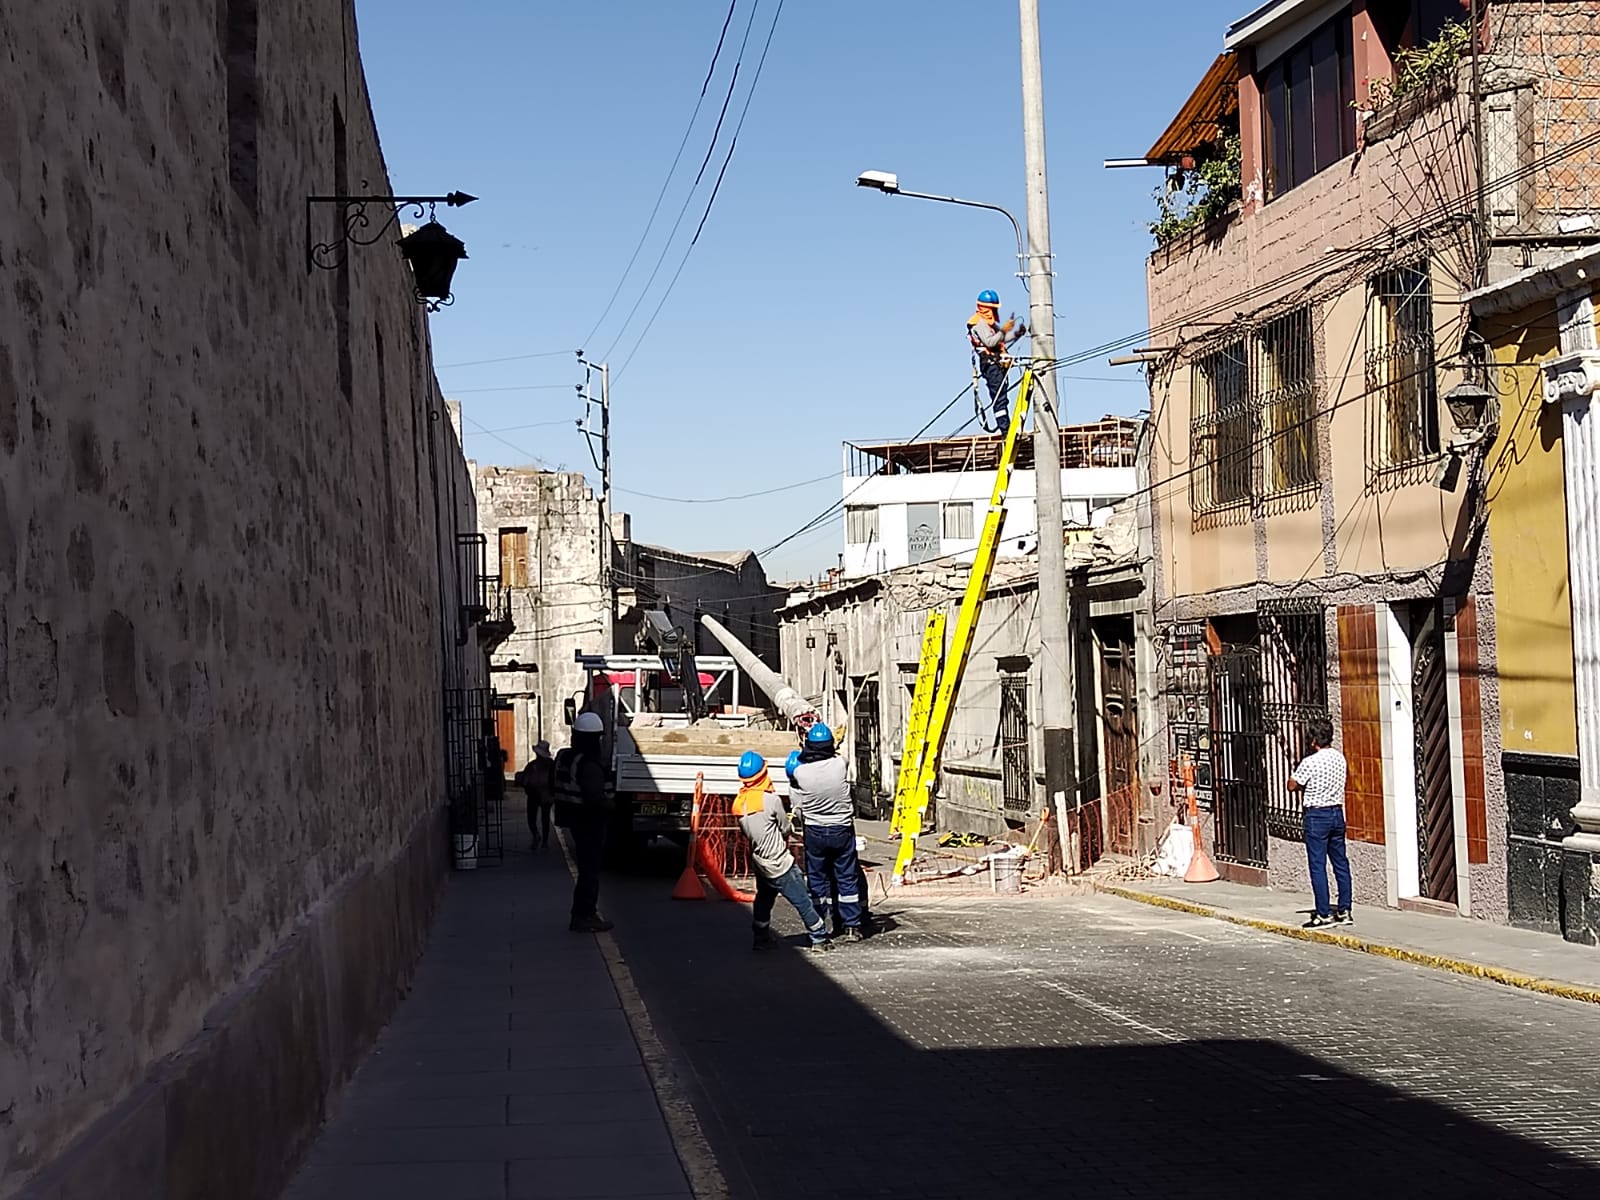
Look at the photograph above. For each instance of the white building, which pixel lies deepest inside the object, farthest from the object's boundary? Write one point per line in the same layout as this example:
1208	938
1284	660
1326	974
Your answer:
914	502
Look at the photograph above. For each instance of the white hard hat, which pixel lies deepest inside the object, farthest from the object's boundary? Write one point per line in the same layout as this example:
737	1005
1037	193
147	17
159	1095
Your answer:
588	723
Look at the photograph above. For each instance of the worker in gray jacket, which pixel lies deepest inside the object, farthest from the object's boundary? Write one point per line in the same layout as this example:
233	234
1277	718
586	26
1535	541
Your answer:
821	791
765	822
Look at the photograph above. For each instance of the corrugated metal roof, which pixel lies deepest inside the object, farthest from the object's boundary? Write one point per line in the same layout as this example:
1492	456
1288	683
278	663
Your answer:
1198	122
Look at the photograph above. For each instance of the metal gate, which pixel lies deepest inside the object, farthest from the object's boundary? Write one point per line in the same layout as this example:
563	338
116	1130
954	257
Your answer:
475	806
1016	774
1294	671
1119	691
1238	756
866	721
1436	823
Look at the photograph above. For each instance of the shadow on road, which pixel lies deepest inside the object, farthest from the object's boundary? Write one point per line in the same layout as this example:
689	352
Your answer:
805	1092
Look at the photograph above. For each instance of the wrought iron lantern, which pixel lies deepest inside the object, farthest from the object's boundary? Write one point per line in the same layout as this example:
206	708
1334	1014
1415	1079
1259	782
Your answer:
1468	402
433	252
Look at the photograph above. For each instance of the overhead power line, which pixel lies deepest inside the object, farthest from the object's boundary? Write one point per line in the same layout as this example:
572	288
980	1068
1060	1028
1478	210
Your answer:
671	171
733	142
683	209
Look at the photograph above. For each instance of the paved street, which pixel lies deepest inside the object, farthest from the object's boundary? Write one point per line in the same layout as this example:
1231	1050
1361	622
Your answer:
1093	1046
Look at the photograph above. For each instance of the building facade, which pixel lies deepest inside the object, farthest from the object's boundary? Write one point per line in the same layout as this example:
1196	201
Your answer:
568	591
854	649
1323	471
914	502
1543	485
231	517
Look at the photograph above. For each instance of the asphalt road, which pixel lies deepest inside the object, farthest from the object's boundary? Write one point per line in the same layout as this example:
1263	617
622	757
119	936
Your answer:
1091	1046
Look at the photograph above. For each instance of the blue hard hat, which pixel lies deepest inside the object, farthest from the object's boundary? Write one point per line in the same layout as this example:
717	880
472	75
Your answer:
751	764
791	763
819	736
989	296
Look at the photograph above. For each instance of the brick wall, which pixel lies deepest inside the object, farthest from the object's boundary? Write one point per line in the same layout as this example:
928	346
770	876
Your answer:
1361	722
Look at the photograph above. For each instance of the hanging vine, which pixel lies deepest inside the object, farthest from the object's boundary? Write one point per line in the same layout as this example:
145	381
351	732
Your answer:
1194	197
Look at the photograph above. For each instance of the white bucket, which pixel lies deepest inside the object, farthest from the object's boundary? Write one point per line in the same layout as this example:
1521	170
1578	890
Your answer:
1005	872
466	852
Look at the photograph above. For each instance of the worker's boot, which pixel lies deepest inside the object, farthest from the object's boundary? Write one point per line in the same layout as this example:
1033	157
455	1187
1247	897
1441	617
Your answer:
594	924
763	940
854	934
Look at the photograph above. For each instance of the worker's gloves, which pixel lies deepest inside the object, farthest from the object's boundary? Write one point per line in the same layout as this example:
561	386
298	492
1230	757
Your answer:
1006	328
1022	330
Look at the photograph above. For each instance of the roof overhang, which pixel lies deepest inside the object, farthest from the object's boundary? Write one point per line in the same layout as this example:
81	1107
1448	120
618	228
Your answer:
1272	17
1577	270
1198	122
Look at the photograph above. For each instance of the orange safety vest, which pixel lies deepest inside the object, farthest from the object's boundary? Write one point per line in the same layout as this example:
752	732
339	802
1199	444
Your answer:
978	318
752	795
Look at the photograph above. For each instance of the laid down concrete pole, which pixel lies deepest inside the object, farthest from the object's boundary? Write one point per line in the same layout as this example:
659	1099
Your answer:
791	705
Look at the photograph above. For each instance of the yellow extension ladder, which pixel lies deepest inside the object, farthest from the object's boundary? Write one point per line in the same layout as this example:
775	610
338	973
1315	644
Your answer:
939	670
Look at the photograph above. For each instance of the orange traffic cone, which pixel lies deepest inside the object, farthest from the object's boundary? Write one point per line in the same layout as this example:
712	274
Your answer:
1201	869
689	886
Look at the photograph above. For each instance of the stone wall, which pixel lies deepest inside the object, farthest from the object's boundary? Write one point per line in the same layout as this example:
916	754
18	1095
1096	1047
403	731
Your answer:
228	512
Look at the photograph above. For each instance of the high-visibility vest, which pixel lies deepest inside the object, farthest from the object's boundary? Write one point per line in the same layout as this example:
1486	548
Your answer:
566	781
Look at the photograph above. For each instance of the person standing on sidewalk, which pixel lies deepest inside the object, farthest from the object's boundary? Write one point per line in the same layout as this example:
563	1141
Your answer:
538	782
821	791
584	807
765	822
1320	780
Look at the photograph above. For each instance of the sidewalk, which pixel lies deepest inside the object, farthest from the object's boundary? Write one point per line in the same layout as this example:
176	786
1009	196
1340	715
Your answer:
512	1071
1520	958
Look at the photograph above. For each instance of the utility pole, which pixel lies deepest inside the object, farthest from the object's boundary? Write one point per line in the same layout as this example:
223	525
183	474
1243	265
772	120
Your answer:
608	575
1056	670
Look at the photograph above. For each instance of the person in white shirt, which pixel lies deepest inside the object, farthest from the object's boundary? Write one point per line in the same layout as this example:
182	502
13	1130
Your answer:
1320	780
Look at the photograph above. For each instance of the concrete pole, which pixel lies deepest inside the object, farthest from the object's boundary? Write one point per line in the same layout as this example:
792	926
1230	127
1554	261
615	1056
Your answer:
1056	669
607	539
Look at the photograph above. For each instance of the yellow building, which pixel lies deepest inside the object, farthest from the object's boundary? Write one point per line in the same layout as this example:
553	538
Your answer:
1539	486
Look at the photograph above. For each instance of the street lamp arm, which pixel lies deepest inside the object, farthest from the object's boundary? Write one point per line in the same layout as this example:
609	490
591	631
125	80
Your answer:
1015	228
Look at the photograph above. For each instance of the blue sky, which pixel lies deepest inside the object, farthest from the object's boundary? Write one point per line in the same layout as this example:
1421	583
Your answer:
811	312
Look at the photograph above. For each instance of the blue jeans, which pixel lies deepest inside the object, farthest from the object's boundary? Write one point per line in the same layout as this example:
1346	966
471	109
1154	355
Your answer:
834	870
1325	841
791	885
998	378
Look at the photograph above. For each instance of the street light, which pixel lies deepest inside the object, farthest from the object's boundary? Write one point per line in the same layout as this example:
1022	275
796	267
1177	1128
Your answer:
888	183
432	250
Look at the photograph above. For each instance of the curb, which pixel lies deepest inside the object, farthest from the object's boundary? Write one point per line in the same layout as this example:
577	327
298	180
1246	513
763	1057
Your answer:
1439	962
695	1155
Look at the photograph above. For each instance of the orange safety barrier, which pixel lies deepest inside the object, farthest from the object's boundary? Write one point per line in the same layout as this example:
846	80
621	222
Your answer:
689	886
718	844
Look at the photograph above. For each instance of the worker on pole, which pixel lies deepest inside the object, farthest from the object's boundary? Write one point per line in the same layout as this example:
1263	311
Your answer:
821	792
764	820
990	340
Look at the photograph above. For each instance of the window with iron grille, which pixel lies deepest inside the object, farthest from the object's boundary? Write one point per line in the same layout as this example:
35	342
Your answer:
958	521
1016	774
1221	429
1256	393
1402	392
1284	385
860	524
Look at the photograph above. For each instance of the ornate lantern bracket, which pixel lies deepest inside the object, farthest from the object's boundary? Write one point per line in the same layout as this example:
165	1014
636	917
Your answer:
358	226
